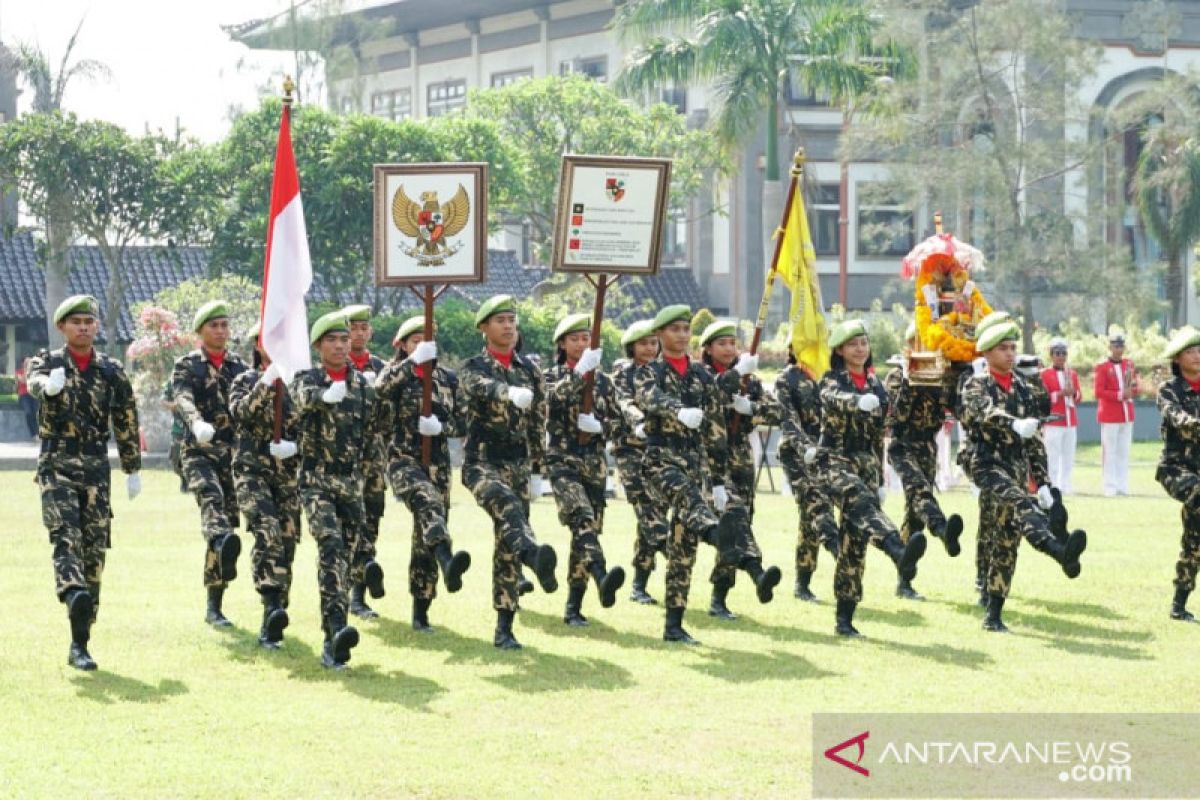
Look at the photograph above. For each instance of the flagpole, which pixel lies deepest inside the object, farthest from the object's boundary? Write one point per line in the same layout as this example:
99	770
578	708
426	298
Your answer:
589	380
288	88
427	378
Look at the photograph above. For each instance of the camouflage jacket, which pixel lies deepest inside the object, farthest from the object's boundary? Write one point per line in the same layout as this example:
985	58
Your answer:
1179	405
374	364
1041	397
766	410
252	406
78	417
398	393
201	391
661	392
799	399
915	413
988	412
565	391
341	439
625	394
497	430
851	434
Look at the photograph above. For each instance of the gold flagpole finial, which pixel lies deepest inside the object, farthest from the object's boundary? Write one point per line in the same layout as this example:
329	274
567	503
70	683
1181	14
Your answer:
937	223
289	86
798	162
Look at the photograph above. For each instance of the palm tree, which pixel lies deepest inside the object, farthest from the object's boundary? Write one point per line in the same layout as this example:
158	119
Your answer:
1167	185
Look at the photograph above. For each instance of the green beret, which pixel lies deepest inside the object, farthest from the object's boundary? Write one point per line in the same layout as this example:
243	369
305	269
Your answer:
1004	331
991	319
496	304
213	309
722	327
637	331
333	322
572	323
357	313
255	330
408	328
676	313
76	304
1185	337
846	330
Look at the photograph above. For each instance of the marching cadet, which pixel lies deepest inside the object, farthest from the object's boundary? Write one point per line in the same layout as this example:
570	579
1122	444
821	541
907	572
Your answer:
853	410
685	425
800	431
505	400
337	443
81	390
425	490
641	347
576	460
1179	466
999	410
200	384
747	403
915	417
268	489
374	484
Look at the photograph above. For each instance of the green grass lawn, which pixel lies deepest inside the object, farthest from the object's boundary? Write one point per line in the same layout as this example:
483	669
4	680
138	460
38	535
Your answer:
181	710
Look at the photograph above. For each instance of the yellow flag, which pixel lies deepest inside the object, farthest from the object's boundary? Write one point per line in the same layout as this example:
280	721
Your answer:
798	269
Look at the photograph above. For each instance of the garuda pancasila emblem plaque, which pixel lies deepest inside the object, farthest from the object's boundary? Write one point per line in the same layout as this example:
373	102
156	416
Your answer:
431	224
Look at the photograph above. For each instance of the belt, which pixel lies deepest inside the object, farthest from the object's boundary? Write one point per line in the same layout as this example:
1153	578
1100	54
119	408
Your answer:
74	447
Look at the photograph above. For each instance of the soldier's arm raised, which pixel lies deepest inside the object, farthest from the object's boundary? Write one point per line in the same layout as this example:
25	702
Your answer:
37	375
650	397
980	408
478	386
833	396
125	421
249	398
768	410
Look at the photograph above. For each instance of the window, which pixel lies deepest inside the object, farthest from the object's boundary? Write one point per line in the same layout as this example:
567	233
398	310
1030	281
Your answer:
676	97
884	228
512	76
674	240
347	105
823	215
444	97
595	67
799	93
395	104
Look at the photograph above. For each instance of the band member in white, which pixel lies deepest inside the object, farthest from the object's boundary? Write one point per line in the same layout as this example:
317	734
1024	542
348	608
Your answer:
1061	431
1116	385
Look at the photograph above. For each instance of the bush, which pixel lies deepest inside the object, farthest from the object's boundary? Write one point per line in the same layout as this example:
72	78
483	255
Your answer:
8	384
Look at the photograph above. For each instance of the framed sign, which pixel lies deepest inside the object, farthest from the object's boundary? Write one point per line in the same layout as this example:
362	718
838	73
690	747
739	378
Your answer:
611	213
430	223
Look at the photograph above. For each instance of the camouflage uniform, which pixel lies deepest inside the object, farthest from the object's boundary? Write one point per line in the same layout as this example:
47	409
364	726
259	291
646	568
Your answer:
630	454
268	489
374	488
1179	473
915	416
73	474
201	392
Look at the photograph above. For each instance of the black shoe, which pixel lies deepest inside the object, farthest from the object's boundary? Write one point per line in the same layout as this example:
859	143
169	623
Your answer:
992	621
1179	610
358	603
1058	516
765	584
345	640
673	631
637	592
717	607
79	612
543	560
524	587
905	590
954	529
1076	544
79	658
213	615
504	638
844	617
803	592
607	583
373	579
420	615
275	619
453	565
731	530
573	614
907	565
227	555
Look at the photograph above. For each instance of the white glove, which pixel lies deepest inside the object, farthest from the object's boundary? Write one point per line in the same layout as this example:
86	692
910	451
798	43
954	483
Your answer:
882	493
868	402
746	363
335	394
742	405
720	498
810	455
1045	498
690	417
270	374
203	431
520	397
634	413
639	430
425	351
968	289
535	487
429	426
1025	427
56	381
588	423
979	366
283	449
370	376
588	361
133	484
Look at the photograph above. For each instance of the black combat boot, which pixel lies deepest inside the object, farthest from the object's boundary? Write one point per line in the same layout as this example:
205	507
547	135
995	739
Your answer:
910	555
213	616
717	607
79	612
1065	553
274	620
673	631
765	580
504	638
358	602
638	592
542	560
420	615
94	591
524	586
992	622
1058	517
904	589
453	565
338	644
953	530
803	592
607	582
373	579
1178	606
981	586
228	550
573	615
845	618
734	528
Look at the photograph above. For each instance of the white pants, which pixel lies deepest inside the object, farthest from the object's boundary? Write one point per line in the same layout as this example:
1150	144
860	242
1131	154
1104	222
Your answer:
1060	453
1115	438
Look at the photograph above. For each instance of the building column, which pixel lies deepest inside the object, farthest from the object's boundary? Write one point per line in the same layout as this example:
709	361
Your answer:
10	341
543	15
413	39
473	29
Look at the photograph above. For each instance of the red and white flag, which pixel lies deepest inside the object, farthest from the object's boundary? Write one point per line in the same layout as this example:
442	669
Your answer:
287	274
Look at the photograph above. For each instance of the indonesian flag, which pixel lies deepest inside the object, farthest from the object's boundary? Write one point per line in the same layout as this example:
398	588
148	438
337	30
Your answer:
287	274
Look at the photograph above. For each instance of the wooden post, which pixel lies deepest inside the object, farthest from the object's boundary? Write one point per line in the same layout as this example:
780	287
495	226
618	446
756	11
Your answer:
589	380
288	87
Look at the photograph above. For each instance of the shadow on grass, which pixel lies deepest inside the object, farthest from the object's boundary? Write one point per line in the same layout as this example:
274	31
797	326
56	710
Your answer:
108	687
596	631
1077	609
700	620
938	653
745	666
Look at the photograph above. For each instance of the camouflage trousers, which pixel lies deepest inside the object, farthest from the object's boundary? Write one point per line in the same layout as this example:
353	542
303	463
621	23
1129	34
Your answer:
427	496
1183	485
77	513
651	524
269	500
740	484
337	520
1011	513
579	483
915	462
862	521
374	502
209	474
983	542
678	474
817	521
500	490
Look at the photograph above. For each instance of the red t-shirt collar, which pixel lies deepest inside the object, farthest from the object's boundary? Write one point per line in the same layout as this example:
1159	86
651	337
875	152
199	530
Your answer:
81	362
719	368
505	359
1194	384
859	378
680	364
360	361
337	374
216	359
1004	379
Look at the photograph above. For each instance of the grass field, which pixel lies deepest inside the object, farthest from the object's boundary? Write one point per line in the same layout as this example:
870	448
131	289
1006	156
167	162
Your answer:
181	710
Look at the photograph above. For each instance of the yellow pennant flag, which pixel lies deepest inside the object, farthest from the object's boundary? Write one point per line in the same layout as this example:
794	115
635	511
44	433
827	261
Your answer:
798	269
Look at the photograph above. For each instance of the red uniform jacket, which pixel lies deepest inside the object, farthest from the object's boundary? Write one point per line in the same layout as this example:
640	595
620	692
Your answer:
1058	401
1110	407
